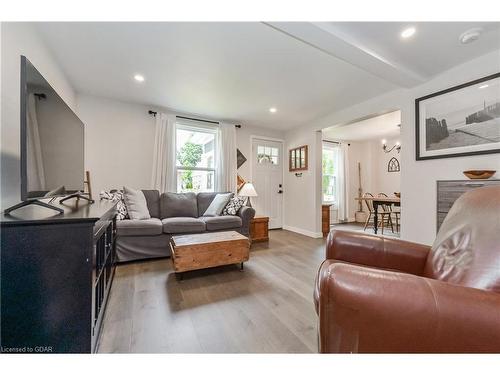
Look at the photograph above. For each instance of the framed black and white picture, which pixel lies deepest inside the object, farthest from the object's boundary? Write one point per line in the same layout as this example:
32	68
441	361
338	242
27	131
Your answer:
460	121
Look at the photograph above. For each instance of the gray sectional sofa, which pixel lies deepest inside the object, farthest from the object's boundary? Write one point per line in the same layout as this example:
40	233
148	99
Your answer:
173	214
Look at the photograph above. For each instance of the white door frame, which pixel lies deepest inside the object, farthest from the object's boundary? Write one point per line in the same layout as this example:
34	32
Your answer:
282	141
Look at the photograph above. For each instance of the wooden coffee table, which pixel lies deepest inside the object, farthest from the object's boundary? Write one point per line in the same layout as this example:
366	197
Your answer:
206	250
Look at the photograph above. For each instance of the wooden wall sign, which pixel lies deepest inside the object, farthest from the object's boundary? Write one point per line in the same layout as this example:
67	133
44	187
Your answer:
393	165
298	159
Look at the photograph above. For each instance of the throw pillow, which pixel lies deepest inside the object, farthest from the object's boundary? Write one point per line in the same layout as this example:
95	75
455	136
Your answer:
218	203
116	195
136	204
234	206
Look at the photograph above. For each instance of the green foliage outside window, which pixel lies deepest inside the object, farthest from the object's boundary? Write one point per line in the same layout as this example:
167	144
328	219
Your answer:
189	156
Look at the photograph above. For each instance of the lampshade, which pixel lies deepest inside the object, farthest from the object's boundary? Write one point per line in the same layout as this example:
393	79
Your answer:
248	190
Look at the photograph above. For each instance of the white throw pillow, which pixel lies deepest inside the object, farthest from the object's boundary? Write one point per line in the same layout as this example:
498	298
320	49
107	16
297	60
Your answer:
218	204
136	204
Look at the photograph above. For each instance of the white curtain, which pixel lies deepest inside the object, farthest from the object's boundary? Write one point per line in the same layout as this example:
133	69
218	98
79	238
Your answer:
343	183
163	176
35	170
226	158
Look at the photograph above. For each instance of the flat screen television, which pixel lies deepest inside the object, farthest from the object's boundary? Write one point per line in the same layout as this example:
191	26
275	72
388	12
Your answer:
52	140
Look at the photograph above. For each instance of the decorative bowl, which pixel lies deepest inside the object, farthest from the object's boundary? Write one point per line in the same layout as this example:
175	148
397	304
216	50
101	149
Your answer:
479	174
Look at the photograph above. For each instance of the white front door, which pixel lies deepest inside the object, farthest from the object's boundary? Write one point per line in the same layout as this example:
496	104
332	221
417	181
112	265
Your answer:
267	174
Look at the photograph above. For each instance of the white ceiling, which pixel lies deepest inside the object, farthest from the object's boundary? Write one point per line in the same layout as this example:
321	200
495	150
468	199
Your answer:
237	71
378	127
434	48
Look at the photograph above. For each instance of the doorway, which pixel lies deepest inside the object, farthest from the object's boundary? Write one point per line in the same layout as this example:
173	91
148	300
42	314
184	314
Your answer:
267	174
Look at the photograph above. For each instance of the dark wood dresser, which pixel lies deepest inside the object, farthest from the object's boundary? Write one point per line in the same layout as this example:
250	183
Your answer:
56	274
449	191
325	219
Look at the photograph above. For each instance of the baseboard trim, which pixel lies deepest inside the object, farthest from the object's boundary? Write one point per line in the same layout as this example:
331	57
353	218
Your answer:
307	233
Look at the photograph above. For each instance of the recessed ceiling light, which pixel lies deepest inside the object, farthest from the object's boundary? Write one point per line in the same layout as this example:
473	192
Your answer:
139	78
483	86
272	110
409	32
470	35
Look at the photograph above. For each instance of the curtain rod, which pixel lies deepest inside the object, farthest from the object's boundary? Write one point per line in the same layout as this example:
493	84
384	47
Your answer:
190	118
197	119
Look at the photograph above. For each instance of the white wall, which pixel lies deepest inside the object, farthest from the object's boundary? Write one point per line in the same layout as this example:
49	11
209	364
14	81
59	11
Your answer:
302	195
359	152
418	178
21	39
384	181
120	138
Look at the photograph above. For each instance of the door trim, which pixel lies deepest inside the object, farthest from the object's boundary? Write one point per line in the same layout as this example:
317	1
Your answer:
282	141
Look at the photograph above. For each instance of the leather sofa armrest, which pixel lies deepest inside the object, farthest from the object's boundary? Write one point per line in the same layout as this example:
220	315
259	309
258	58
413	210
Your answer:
375	251
246	214
376	311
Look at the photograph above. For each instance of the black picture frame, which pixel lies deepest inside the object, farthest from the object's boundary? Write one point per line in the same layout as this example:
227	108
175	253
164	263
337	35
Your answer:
420	100
240	158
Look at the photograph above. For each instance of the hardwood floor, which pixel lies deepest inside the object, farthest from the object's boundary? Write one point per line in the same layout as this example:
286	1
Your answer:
358	227
267	308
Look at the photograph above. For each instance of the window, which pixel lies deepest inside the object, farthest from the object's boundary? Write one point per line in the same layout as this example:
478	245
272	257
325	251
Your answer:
266	154
195	158
330	153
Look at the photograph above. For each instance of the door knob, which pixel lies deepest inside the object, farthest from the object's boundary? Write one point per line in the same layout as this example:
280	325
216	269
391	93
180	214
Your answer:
280	191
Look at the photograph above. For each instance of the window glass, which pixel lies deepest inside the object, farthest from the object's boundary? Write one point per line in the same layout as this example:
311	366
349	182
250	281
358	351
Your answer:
329	174
195	148
195	159
267	155
195	181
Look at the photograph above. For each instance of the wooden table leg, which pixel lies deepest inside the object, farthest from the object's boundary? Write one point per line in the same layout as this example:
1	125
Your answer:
375	219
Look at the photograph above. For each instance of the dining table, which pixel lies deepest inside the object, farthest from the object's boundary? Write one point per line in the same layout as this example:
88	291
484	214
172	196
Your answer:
378	201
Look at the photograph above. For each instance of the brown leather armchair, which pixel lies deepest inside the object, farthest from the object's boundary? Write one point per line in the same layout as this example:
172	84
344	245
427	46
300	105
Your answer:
382	295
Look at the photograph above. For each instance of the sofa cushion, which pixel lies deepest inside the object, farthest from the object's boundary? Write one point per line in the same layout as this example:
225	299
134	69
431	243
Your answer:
174	225
178	205
222	222
146	227
153	202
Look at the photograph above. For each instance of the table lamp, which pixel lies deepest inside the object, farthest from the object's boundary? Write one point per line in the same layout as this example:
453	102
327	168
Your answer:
248	190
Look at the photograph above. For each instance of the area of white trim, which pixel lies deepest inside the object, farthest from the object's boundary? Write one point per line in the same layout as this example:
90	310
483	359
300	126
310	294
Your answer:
303	231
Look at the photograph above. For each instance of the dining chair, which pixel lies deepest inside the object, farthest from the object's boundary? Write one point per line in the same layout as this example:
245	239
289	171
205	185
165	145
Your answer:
382	215
387	208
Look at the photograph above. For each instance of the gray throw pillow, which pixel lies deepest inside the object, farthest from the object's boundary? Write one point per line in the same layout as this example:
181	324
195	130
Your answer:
136	204
219	202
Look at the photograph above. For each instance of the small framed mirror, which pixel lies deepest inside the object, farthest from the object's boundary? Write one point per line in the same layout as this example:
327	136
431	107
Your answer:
298	159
